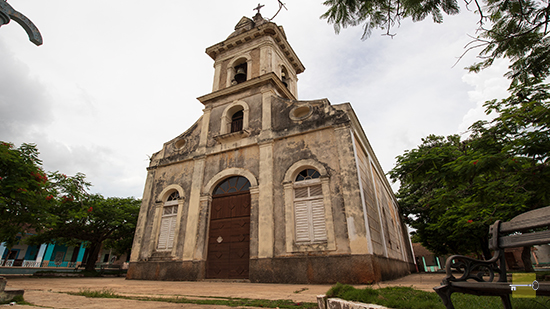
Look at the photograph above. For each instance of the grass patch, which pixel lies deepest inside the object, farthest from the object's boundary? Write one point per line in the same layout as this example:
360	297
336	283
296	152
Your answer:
232	302
104	293
409	298
393	297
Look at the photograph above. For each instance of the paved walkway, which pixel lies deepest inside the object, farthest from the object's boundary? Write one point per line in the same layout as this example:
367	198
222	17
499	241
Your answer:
50	292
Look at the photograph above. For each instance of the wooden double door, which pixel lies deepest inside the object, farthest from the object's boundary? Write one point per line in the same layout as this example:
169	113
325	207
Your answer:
229	237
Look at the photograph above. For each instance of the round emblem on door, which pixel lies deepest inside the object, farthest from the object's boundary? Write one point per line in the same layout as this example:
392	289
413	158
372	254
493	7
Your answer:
220	239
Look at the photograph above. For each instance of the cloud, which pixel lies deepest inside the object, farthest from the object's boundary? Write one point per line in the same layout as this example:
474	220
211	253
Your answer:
115	80
487	85
25	105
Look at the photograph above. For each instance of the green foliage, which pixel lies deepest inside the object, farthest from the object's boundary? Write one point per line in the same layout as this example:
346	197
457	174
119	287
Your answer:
453	189
216	301
392	297
90	218
409	298
23	191
384	14
58	207
512	29
105	293
518	32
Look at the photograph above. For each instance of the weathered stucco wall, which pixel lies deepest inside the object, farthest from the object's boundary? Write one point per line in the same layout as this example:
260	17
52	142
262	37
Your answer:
364	241
321	147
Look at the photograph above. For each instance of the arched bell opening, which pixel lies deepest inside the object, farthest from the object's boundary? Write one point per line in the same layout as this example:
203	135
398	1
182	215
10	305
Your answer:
284	76
240	71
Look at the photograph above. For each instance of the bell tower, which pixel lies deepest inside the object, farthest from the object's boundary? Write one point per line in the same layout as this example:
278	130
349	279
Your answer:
257	48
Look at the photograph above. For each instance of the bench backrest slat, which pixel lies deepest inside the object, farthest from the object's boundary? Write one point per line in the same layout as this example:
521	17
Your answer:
529	220
522	240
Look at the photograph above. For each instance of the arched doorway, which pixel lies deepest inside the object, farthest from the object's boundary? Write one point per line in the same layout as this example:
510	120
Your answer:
229	232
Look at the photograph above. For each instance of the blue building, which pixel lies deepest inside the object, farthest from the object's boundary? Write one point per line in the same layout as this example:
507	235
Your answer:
50	256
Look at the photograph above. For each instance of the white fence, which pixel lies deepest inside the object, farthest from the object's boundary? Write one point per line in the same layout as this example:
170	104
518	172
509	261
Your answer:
27	263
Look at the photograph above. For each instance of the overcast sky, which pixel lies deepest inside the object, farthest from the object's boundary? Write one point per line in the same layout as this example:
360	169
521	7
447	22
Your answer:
114	80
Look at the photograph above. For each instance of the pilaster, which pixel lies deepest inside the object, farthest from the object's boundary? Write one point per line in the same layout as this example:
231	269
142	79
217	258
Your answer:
40	255
142	219
265	207
377	189
204	221
48	255
2	250
362	192
81	252
194	208
350	191
155	229
204	128
254	202
181	200
266	59
217	73
289	218
266	109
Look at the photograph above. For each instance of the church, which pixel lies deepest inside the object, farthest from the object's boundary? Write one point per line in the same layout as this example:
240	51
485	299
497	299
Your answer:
265	187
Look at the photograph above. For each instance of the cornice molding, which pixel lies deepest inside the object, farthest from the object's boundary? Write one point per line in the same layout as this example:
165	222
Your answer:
251	83
269	29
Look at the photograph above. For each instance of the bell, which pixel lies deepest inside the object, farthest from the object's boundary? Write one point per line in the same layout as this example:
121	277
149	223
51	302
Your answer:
240	76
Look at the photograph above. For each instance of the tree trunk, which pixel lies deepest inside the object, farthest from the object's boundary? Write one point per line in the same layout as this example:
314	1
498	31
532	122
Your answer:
92	257
484	242
526	259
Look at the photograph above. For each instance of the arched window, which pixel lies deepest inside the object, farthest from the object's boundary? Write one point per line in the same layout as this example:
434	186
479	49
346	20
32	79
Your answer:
237	121
309	208
168	222
307	174
232	185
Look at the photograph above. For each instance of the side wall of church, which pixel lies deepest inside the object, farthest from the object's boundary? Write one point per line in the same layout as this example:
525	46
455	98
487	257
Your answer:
382	213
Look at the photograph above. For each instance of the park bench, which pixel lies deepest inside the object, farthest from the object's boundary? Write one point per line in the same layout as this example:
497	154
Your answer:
478	276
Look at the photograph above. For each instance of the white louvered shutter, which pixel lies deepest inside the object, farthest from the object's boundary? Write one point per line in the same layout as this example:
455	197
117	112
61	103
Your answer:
302	217
164	231
318	220
167	227
309	214
172	232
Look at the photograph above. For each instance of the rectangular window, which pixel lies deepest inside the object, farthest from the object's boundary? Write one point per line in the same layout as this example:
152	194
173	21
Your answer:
309	214
168	227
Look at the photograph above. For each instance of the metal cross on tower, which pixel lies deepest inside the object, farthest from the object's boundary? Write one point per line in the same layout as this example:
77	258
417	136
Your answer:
258	8
7	12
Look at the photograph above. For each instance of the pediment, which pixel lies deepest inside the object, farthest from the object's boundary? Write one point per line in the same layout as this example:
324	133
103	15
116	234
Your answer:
244	22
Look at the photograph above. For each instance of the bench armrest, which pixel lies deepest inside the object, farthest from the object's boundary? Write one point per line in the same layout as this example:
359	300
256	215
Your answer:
474	269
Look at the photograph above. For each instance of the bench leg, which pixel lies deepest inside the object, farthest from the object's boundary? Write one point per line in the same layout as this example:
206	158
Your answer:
506	301
445	291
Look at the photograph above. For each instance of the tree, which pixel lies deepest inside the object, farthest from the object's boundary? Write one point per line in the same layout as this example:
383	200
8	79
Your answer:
78	216
452	189
23	191
513	29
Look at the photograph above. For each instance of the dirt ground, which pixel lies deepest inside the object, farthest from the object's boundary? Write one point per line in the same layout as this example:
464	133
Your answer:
51	292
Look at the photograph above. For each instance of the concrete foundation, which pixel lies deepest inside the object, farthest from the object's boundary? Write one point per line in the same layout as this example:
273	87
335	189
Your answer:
349	269
8	295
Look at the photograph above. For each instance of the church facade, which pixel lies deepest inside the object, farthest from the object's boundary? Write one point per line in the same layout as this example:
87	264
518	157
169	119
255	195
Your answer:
266	187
